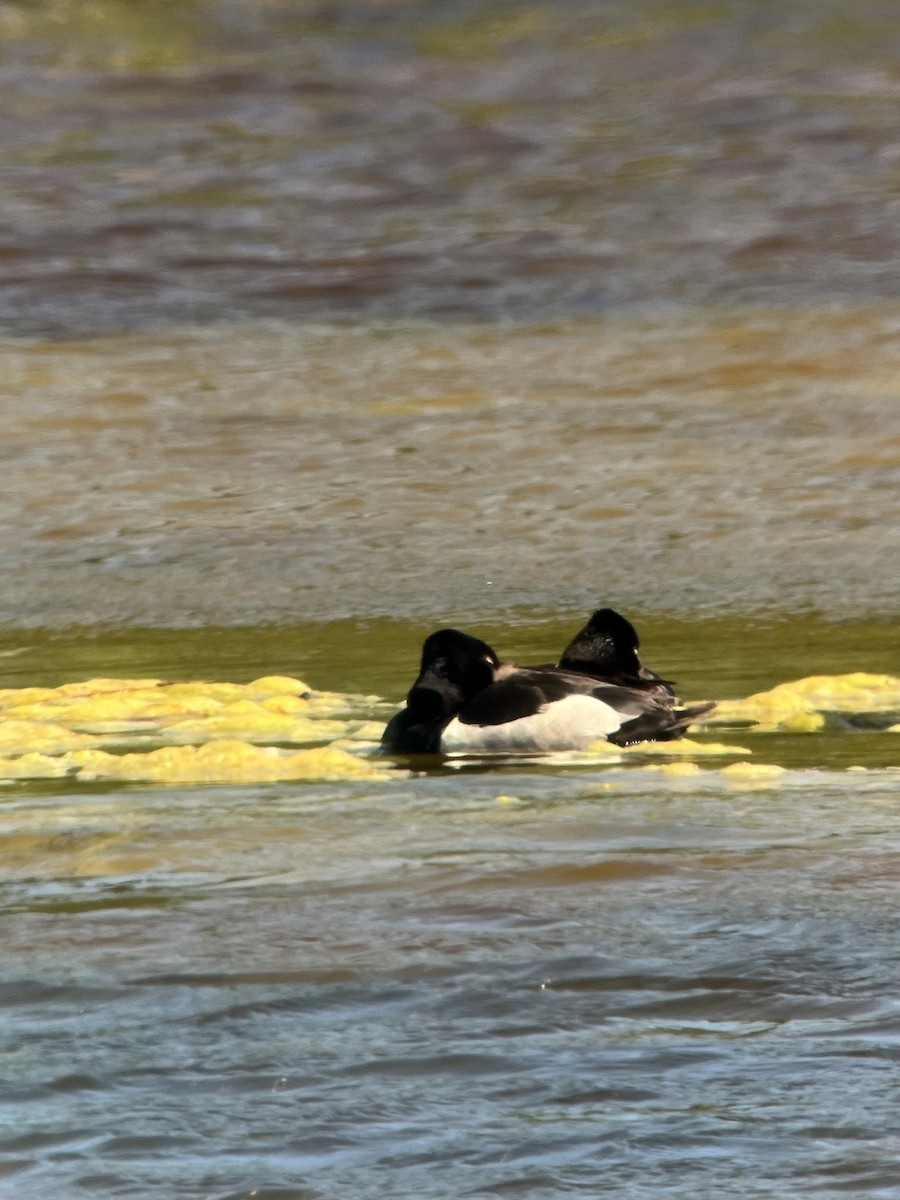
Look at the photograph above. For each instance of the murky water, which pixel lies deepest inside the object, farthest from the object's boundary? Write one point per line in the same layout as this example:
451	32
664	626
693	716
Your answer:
723	461
464	985
323	326
212	160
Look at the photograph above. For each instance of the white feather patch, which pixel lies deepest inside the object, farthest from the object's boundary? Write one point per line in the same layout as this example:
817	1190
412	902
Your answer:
568	724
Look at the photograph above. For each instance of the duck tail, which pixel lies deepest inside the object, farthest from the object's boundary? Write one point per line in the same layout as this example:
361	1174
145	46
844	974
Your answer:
688	716
649	727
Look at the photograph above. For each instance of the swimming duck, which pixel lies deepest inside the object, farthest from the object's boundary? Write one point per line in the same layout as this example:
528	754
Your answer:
607	649
455	668
466	700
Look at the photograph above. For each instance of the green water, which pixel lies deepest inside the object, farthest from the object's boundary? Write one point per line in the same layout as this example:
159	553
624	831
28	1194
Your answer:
723	657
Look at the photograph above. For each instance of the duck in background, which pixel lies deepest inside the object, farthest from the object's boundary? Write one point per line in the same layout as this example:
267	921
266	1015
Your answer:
466	701
607	649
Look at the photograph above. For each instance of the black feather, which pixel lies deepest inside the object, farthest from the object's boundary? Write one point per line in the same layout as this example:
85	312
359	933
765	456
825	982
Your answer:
607	648
454	668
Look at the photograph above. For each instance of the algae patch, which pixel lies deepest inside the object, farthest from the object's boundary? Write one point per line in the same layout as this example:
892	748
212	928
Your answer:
278	728
855	701
274	728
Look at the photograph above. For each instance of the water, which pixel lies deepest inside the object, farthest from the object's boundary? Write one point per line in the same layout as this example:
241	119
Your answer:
481	981
323	326
428	991
221	161
692	464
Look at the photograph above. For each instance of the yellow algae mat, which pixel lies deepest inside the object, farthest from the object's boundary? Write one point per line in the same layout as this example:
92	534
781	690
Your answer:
272	728
858	700
278	728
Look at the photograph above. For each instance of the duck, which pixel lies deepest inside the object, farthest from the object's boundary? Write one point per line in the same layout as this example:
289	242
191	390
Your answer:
467	701
607	648
455	668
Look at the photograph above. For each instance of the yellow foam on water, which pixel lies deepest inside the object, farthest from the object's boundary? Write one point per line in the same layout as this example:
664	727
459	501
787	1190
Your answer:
686	748
89	709
216	762
254	722
226	732
43	737
275	684
605	753
229	729
104	683
741	775
35	765
273	708
287	705
671	769
753	774
679	768
810	704
28	695
223	762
